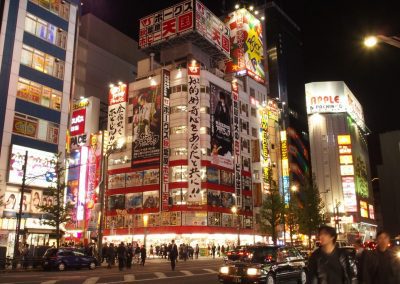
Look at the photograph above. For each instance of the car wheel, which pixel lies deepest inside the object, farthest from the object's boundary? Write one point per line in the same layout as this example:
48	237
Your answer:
61	266
92	265
303	277
270	279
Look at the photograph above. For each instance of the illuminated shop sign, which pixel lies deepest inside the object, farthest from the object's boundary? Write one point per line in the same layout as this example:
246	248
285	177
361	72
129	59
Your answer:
194	149
166	88
344	149
333	97
364	209
40	166
345	159
80	208
78	122
344	140
349	194
117	99
236	141
346	170
247	51
371	211
285	165
265	148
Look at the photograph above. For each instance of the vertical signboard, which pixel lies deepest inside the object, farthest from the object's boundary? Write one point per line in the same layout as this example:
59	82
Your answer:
236	141
221	127
164	177
285	166
194	151
146	127
80	211
166	24
117	98
213	29
265	148
247	51
349	194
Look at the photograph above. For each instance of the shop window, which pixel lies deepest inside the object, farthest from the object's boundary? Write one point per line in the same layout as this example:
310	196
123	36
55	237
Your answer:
178	196
30	24
41	29
26	56
42	62
58	7
35	128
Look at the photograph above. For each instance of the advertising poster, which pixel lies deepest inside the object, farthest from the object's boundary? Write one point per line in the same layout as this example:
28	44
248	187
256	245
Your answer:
39	164
361	175
247	203
265	149
176	218
213	198
247	50
24	127
116	201
151	199
194	218
349	194
226	178
246	183
227	199
221	127
146	127
364	209
134	200
134	179
214	219
227	220
116	181
151	177
194	147
166	24
212	175
164	166
47	200
11	201
36	196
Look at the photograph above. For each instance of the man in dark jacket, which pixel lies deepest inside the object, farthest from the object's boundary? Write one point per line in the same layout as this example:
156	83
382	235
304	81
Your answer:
173	254
382	264
143	255
329	264
121	254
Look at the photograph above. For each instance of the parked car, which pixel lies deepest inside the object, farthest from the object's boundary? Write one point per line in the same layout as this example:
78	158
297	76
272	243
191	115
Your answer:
63	258
266	264
238	253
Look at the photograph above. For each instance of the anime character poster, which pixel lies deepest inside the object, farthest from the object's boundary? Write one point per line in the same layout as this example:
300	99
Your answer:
221	127
146	136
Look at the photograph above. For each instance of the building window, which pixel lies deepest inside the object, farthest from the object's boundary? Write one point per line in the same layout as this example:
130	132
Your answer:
38	94
253	132
179	174
58	7
252	92
204	130
35	128
45	31
42	62
205	110
179	151
179	129
178	109
178	196
253	112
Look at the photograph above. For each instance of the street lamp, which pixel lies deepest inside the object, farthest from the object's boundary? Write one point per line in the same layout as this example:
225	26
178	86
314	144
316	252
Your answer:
145	222
294	188
372	41
235	211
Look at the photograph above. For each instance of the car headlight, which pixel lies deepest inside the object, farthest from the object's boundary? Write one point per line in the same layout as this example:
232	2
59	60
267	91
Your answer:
224	270
253	271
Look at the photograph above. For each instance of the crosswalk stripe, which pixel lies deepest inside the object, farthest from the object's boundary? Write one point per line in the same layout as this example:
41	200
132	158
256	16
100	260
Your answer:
160	274
49	282
187	272
91	280
129	277
210	270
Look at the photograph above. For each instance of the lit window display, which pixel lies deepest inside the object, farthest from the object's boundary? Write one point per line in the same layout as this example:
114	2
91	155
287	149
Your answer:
178	174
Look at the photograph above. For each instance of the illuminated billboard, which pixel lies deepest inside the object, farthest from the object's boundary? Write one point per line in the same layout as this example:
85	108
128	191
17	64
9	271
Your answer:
247	50
285	165
333	97
39	165
117	98
344	140
364	209
349	194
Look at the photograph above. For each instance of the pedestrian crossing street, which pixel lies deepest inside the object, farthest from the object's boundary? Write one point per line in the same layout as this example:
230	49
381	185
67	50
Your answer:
125	277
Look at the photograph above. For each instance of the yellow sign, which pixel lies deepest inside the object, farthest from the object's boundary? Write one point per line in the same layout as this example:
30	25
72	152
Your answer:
364	209
344	140
346	159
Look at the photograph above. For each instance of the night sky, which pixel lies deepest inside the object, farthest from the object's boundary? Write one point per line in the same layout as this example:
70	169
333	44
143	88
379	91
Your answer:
332	38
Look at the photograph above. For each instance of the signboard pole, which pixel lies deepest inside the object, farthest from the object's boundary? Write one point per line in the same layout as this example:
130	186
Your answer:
19	215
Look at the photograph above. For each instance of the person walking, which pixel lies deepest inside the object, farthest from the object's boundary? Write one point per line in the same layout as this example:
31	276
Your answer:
121	254
197	251
223	250
219	250
104	250
213	248
329	264
143	255
129	256
382	265
151	251
110	256
173	254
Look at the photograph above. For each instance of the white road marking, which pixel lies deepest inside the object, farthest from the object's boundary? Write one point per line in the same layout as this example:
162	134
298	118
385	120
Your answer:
129	277
152	279
210	270
160	274
91	280
49	282
187	272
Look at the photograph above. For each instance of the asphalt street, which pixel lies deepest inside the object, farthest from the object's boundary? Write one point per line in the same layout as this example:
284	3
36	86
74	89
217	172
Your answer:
155	271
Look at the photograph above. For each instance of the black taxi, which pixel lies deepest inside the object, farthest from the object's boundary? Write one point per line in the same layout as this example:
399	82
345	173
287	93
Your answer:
266	264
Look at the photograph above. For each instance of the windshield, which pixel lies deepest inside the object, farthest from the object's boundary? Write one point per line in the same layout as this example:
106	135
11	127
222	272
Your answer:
262	254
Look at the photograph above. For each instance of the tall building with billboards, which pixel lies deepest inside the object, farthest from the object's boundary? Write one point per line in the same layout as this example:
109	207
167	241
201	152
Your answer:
192	130
339	157
37	44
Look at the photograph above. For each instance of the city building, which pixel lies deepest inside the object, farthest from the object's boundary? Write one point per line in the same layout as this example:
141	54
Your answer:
389	182
191	167
37	47
339	158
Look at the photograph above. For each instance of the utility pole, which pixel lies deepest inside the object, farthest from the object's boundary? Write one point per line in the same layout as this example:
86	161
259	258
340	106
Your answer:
19	215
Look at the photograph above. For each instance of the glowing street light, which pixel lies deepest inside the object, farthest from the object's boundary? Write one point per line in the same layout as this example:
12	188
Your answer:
234	209
370	41
294	188
145	222
237	6
251	8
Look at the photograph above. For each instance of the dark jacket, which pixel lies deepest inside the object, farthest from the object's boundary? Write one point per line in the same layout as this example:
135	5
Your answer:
173	251
318	270
381	267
